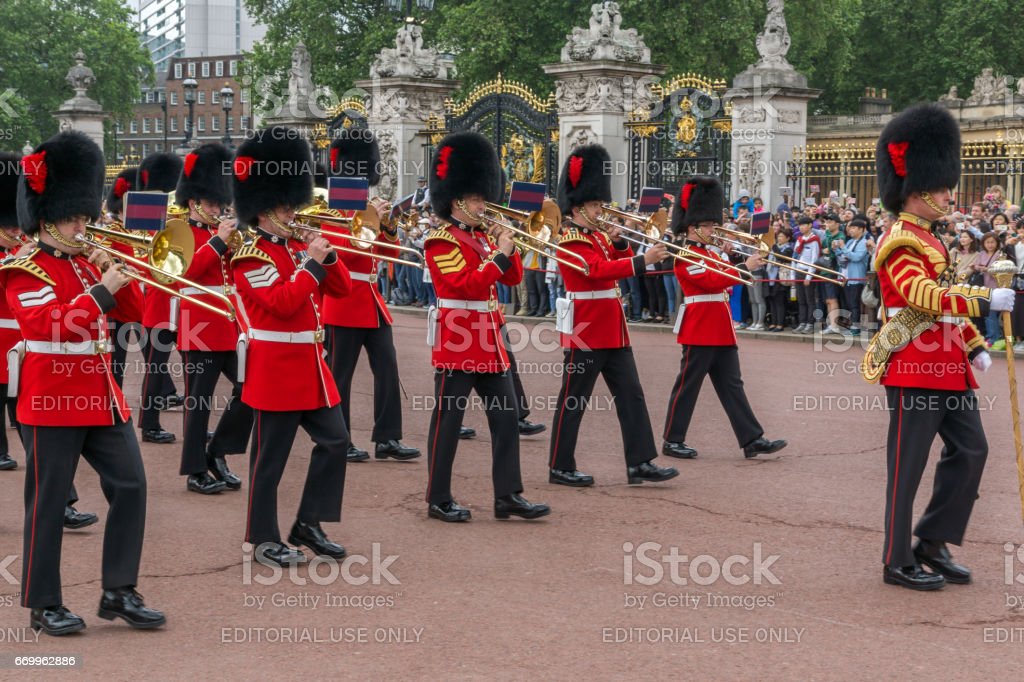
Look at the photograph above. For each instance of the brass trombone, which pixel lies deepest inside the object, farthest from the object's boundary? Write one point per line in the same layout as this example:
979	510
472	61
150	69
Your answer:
169	252
530	237
367	218
743	239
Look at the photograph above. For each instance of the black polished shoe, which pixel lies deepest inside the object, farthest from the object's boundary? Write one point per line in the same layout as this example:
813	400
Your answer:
912	577
649	472
395	449
176	400
74	519
679	450
573	479
219	471
450	512
466	433
354	454
517	505
55	621
205	484
157	436
209	437
276	554
936	556
6	463
126	603
529	428
763	446
312	535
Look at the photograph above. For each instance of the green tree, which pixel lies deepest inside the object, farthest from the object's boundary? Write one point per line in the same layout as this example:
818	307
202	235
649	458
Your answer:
37	47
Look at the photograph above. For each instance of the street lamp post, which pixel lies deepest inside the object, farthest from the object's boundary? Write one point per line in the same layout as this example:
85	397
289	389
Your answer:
163	107
406	7
190	86
227	102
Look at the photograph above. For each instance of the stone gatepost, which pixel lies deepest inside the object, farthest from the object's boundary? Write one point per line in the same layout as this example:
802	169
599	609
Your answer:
605	72
769	114
300	110
81	112
408	85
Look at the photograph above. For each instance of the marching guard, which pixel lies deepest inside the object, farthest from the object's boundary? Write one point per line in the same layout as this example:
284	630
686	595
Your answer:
207	341
468	352
918	164
120	328
592	326
281	283
60	300
704	327
361	319
158	172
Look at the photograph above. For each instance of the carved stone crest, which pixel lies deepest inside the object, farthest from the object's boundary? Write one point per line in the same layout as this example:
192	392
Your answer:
580	136
773	42
751	169
988	89
409	58
605	38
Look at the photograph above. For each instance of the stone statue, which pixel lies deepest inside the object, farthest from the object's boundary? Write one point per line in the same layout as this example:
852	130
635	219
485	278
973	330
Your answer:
953	96
80	77
387	187
750	169
773	42
300	80
1020	86
410	59
987	89
605	38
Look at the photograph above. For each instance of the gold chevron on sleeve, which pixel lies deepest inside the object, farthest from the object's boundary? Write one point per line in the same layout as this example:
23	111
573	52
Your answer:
453	261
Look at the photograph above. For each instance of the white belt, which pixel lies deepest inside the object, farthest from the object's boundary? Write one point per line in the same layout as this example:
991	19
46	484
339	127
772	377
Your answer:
9	324
591	295
889	312
478	306
706	298
316	336
370	277
68	347
227	290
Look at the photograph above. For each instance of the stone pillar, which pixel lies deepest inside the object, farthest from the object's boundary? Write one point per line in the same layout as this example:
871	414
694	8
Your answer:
605	72
408	84
81	112
769	115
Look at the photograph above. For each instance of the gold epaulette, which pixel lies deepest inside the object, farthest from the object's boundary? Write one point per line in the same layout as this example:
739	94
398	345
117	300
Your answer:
899	237
250	251
442	234
572	235
26	264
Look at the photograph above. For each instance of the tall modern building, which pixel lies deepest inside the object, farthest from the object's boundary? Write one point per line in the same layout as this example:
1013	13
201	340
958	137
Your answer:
195	28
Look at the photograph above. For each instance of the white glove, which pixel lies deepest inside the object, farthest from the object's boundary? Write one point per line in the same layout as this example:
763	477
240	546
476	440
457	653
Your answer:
1002	300
982	361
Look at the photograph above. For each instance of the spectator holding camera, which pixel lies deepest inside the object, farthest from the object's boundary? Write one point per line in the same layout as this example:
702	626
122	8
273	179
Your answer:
807	250
852	256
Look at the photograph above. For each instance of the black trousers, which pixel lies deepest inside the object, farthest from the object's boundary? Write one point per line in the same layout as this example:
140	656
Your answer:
536	292
273	436
51	455
451	392
202	370
777	298
805	302
157	385
580	371
722	363
346	343
657	297
121	334
916	415
853	290
11	410
522	404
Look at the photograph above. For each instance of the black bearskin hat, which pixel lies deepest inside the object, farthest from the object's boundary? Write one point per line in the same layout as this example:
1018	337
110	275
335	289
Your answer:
10	171
206	174
355	154
61	178
918	151
586	176
159	172
700	199
123	183
464	164
272	168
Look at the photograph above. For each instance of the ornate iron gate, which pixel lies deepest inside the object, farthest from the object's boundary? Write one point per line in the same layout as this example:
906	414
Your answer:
350	113
522	126
686	134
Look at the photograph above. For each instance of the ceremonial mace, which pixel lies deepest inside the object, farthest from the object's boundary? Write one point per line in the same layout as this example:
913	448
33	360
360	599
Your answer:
1003	271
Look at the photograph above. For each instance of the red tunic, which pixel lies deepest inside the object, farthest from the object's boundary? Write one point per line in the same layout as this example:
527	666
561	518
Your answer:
597	323
281	292
200	329
364	306
705	323
57	300
465	265
128	250
909	260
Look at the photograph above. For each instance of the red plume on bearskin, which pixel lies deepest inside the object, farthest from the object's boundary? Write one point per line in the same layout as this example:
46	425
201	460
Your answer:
465	163
701	199
34	167
62	178
206	175
575	170
918	151
442	164
586	176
